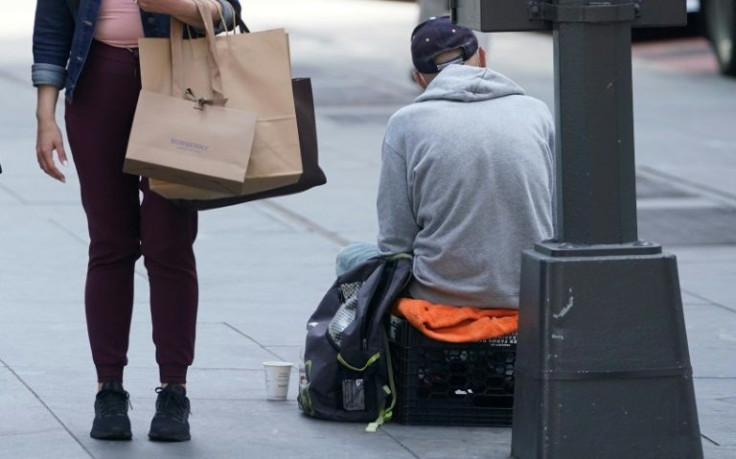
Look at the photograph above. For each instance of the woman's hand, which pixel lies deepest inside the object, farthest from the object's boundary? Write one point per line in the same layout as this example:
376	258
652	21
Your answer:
48	138
48	141
183	10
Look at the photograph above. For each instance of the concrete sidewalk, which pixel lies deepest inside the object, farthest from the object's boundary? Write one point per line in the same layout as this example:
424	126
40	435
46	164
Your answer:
264	266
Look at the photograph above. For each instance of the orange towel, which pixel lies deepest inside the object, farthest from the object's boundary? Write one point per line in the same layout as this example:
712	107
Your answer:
453	324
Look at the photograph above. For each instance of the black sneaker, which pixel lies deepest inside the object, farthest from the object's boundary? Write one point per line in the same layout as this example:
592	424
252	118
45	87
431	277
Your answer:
171	421
111	413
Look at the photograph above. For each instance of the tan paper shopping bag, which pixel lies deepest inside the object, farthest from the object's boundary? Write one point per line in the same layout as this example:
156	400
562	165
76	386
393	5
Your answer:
190	137
256	75
173	140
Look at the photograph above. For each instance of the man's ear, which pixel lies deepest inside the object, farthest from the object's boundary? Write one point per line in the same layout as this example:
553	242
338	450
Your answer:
419	79
481	57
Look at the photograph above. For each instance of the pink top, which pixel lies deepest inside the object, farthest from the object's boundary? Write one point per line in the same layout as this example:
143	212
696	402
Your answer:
119	23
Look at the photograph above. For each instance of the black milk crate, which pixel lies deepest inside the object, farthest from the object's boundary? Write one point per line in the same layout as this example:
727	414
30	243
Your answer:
451	384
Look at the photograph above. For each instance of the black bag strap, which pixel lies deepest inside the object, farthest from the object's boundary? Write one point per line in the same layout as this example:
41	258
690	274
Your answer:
241	25
239	19
361	342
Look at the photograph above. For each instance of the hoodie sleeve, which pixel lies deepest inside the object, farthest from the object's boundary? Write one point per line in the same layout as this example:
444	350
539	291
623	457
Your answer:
397	227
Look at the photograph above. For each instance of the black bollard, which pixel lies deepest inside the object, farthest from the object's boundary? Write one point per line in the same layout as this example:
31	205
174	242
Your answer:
602	368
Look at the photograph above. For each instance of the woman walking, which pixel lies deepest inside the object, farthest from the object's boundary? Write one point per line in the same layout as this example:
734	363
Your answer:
89	49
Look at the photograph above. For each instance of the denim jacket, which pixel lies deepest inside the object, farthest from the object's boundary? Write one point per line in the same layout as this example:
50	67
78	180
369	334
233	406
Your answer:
63	33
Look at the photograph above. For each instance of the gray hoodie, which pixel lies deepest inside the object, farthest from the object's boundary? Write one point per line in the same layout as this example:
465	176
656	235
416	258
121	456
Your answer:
467	183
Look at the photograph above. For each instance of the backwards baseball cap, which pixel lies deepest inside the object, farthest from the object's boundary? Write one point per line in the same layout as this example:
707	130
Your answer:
437	35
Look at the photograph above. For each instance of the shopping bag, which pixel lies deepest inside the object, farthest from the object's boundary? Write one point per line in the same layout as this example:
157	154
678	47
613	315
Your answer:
192	139
207	148
255	71
201	199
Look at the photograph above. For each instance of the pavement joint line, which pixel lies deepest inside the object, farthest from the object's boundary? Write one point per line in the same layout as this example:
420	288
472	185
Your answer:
306	223
83	241
687	185
710	302
48	408
7	76
398	442
68	232
710	439
19	198
269	214
235	329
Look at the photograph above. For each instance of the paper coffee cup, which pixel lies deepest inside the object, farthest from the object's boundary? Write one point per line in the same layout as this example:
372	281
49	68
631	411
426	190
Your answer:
277	379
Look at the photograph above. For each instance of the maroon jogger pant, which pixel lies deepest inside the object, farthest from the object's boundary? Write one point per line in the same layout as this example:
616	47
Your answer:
122	227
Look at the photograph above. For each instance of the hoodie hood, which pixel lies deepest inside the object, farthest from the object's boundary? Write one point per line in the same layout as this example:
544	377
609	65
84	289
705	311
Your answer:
464	83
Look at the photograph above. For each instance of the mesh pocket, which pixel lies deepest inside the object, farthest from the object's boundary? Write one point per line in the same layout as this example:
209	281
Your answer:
345	315
353	394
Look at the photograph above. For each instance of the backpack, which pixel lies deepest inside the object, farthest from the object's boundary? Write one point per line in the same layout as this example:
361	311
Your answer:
346	372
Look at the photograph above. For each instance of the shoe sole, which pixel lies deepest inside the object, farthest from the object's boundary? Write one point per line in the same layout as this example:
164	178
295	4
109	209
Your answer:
113	436
169	438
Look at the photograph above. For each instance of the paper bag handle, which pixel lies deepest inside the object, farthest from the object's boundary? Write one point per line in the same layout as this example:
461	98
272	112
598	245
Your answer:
177	57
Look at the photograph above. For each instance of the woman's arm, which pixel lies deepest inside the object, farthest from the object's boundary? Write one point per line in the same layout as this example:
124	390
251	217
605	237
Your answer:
48	138
52	36
183	10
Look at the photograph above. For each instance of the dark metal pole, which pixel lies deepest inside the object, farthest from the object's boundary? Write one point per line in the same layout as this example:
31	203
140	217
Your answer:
595	132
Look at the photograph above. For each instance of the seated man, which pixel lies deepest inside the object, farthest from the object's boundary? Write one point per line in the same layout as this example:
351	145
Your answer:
467	178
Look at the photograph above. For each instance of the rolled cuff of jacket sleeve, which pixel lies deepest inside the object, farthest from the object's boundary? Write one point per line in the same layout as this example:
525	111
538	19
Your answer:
48	75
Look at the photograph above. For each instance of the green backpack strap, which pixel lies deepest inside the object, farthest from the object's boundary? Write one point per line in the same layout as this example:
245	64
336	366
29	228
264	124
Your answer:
385	414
